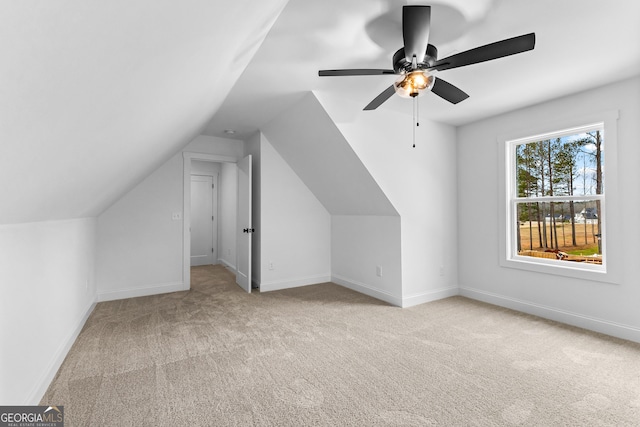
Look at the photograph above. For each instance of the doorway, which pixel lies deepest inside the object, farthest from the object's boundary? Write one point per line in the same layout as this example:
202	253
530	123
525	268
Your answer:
234	226
204	219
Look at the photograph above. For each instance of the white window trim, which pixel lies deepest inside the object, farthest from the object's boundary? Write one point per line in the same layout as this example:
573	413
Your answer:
610	270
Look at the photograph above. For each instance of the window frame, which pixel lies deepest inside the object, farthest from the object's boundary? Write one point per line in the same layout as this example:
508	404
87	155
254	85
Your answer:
608	271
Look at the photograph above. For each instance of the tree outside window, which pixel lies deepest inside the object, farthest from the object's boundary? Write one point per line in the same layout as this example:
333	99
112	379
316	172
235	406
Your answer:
557	196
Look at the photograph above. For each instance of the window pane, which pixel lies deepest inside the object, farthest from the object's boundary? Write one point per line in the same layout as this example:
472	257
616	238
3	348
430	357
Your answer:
567	231
567	165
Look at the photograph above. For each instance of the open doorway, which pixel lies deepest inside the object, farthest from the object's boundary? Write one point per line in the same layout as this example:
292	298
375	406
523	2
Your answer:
204	213
217	215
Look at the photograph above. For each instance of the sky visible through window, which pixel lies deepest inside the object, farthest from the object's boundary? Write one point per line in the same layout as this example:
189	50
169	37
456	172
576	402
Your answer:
571	154
561	169
587	171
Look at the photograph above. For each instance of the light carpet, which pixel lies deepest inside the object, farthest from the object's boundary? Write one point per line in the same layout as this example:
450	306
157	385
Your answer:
327	356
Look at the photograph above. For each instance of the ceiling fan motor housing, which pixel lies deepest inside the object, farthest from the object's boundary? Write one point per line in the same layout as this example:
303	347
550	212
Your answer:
401	65
415	73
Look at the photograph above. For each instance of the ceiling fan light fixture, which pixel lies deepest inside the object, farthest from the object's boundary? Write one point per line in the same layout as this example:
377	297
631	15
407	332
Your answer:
411	84
418	58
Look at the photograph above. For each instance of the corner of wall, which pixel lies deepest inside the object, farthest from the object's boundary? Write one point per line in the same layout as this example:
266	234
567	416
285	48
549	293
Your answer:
57	359
429	296
369	290
295	228
49	266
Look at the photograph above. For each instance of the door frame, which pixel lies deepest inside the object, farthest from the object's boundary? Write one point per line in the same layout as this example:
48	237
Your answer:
186	207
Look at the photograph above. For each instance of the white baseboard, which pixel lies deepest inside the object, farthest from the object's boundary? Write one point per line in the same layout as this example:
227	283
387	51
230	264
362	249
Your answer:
606	327
43	384
227	264
434	295
294	283
367	290
142	291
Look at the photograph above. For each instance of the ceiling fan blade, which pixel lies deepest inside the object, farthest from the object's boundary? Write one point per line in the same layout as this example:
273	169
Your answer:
416	22
488	52
378	100
355	72
447	91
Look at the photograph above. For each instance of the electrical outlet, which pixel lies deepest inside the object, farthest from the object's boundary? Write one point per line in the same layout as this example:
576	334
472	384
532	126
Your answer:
228	252
176	216
442	270
270	265
378	271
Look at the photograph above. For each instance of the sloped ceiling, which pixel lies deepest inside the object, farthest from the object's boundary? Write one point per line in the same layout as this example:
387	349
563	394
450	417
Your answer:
96	94
309	141
579	44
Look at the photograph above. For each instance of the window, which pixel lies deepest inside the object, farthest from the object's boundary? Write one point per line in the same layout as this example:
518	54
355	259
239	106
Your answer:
556	191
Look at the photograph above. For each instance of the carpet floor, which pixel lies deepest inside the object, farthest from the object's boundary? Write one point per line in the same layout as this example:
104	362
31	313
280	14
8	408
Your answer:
324	355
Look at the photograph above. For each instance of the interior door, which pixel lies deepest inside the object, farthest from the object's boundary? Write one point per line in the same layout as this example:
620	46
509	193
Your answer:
202	247
244	226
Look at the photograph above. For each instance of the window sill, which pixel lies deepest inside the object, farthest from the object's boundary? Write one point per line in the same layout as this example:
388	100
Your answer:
581	271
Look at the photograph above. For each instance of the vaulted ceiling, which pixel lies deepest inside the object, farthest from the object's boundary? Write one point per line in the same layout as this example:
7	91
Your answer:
580	44
95	95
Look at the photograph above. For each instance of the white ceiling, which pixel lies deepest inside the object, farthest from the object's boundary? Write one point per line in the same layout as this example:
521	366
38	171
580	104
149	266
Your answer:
579	44
94	95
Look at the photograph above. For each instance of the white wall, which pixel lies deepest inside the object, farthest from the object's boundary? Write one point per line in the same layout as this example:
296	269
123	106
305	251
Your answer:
421	184
359	244
309	141
214	145
139	244
139	247
122	89
316	150
605	307
201	167
227	201
295	227
48	290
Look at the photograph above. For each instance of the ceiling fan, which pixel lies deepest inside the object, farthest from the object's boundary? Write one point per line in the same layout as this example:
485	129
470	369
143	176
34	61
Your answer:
416	62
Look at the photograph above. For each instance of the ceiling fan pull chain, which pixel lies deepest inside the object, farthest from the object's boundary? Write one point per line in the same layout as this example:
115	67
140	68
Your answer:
417	112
